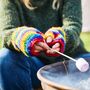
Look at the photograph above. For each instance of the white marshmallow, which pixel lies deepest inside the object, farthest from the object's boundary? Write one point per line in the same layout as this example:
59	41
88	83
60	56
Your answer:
82	64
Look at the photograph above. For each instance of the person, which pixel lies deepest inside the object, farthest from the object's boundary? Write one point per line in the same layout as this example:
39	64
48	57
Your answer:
29	32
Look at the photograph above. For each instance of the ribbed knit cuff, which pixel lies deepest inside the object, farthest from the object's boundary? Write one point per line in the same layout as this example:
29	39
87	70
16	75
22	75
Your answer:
24	38
59	36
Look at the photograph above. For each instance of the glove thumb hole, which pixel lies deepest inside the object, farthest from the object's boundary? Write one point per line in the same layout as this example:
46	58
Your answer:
49	39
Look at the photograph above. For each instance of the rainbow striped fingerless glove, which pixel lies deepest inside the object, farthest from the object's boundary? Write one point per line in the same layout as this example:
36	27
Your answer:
24	38
58	35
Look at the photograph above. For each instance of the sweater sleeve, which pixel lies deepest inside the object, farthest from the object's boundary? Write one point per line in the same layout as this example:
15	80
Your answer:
72	23
9	21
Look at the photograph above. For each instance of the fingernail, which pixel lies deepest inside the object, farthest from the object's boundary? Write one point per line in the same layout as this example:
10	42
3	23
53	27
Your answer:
56	45
49	39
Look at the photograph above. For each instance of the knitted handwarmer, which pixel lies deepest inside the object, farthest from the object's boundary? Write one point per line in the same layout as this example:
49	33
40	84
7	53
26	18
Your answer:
24	38
58	35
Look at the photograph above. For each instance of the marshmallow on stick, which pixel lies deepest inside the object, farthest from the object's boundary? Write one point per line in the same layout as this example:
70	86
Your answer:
81	63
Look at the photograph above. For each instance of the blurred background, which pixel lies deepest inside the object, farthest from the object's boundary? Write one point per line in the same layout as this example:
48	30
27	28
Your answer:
85	35
86	15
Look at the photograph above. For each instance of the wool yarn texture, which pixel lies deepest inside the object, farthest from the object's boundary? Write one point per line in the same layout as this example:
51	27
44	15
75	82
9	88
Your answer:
24	39
58	35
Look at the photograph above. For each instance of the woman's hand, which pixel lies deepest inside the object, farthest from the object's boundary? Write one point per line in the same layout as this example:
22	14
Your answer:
55	38
56	46
41	46
25	39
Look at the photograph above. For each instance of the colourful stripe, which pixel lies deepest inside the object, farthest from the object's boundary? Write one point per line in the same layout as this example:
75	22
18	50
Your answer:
23	37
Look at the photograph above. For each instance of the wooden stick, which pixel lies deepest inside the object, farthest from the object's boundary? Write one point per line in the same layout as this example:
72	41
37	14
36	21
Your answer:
65	55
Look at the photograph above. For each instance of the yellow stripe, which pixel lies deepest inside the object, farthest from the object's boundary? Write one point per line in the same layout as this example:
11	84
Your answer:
22	42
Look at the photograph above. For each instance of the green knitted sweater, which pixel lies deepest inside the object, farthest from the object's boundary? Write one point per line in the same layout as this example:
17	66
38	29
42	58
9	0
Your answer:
14	14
